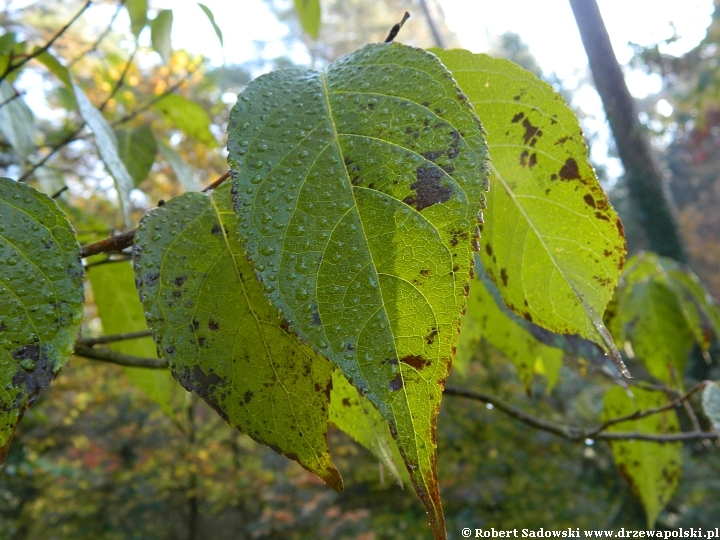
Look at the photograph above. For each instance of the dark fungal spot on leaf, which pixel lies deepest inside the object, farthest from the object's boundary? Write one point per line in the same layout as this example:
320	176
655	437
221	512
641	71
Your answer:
397	383
216	229
602	216
152	279
315	314
203	384
428	189
3	326
176	294
569	170
432	155
248	397
533	160
589	200
415	361
527	316
430	338
194	325
201	341
519	116
346	402
170	350
531	133
424	272
36	379
504	276
488	250
213	325
27	352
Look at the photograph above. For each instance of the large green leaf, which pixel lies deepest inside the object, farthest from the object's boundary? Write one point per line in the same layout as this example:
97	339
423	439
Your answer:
499	328
137	10
309	14
187	116
551	241
358	190
652	469
160	34
357	417
107	148
137	149
41	298
16	122
221	337
56	68
113	287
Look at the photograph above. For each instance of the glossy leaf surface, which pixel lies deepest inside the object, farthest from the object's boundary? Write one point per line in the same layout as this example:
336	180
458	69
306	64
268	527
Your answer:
358	190
120	310
221	337
41	298
551	241
652	469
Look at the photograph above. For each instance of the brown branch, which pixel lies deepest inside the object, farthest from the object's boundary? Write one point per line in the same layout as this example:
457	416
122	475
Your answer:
396	28
113	244
70	137
217	182
89	342
11	98
10	67
101	37
577	434
105	355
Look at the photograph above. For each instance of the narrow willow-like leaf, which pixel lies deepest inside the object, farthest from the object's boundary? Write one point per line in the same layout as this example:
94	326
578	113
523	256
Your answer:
496	324
209	14
107	148
551	241
221	337
56	68
652	469
137	149
357	417
120	310
310	15
137	10
160	34
181	169
188	116
41	298
358	190
16	122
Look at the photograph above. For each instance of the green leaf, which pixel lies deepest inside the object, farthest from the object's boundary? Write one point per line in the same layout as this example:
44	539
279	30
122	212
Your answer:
711	403
551	241
107	148
16	122
497	325
221	337
187	116
211	18
652	469
357	417
309	14
358	190
56	68
113	287
137	10
41	297
180	168
160	31
137	149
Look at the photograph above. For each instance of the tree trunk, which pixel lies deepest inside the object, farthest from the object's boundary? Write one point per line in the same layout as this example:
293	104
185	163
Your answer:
648	193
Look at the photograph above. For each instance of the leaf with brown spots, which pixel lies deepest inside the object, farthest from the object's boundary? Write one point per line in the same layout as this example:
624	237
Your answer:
557	244
652	469
342	208
222	340
41	297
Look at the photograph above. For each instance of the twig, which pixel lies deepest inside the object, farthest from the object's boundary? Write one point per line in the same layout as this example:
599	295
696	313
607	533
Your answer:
11	98
113	244
59	192
576	434
105	355
10	67
217	182
396	28
89	342
101	37
70	137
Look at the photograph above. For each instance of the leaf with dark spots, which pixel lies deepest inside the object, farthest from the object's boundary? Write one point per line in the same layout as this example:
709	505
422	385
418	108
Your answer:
397	383
266	382
570	170
415	361
216	229
428	189
542	231
504	276
152	278
41	320
430	338
589	200
180	280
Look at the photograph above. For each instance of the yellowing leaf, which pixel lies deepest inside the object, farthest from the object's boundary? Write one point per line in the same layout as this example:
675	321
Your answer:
358	190
41	297
551	241
187	116
652	469
221	337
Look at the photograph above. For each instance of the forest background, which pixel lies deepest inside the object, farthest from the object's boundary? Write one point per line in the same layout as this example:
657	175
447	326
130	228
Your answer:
97	458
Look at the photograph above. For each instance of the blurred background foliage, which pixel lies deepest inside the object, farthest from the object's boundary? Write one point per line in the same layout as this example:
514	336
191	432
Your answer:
97	458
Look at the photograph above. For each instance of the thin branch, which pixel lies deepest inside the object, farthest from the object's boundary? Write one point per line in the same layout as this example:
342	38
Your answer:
89	342
105	355
101	37
396	28
217	182
37	52
108	245
120	82
11	98
59	192
70	137
576	434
